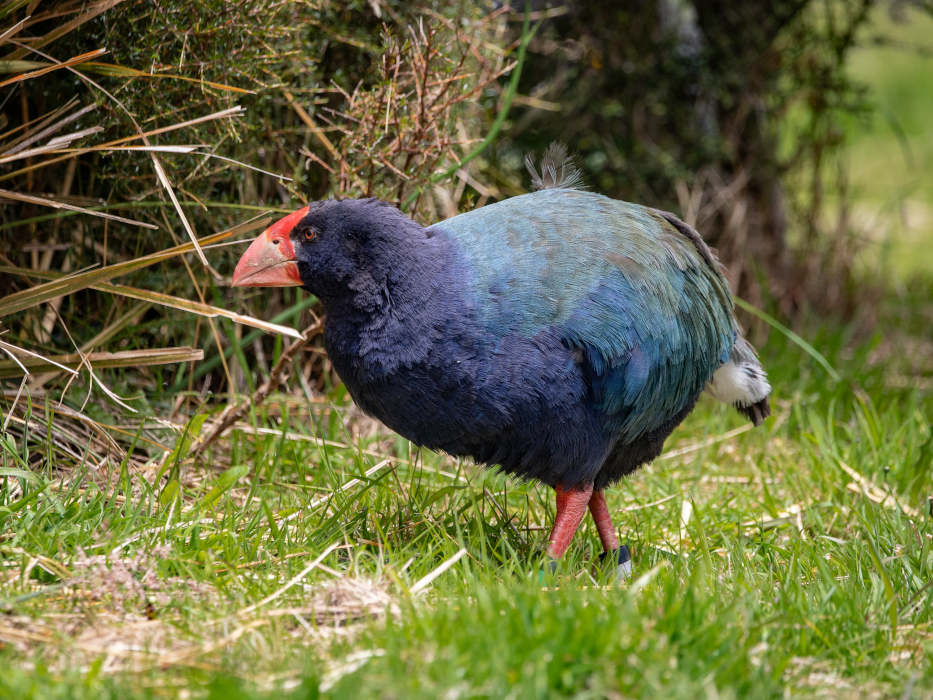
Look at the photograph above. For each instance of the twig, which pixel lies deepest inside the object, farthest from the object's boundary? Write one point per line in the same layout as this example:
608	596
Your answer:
422	584
527	34
233	412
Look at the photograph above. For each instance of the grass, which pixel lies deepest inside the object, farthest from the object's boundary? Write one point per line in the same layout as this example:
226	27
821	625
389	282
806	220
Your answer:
763	566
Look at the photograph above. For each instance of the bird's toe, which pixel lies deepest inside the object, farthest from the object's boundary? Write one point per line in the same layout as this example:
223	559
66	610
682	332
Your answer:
624	563
623	559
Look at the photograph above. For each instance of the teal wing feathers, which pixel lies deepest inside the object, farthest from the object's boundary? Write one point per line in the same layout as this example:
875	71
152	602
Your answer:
633	290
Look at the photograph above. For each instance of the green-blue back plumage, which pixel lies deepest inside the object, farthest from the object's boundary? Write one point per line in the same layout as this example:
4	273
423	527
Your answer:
645	307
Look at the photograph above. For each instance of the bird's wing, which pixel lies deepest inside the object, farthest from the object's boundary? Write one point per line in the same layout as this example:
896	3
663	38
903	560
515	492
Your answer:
634	290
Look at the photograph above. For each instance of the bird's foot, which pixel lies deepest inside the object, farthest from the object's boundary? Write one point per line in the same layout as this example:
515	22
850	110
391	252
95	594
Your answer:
623	561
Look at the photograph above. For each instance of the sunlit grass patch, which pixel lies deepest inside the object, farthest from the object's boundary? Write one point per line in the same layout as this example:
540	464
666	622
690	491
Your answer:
311	549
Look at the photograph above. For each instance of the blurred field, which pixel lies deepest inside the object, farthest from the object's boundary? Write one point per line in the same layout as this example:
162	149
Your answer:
891	155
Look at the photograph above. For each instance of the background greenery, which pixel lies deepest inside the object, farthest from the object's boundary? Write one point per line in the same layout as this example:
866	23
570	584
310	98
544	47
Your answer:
310	552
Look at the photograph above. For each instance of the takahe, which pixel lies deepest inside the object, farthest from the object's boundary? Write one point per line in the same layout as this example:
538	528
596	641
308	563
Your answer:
560	335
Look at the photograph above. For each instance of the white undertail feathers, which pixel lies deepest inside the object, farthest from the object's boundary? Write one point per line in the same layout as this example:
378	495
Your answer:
742	382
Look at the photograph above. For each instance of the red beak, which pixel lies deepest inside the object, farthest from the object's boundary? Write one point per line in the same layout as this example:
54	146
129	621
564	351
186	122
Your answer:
270	260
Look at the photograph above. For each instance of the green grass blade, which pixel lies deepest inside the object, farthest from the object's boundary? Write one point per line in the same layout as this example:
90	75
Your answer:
793	337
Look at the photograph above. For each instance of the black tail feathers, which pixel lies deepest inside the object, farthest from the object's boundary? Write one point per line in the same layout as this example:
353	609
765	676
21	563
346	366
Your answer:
756	412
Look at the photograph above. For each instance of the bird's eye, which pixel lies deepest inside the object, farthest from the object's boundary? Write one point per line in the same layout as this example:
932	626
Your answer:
310	235
275	241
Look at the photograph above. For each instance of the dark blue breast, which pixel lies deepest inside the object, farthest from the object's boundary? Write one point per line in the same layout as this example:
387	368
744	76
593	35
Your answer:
516	402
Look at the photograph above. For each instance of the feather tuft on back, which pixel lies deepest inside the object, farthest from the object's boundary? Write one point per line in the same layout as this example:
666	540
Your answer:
556	170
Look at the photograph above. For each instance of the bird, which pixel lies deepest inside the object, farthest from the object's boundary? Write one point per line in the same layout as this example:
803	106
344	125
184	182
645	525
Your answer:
558	335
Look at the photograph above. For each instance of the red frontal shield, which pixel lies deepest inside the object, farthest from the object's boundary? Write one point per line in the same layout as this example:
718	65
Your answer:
270	260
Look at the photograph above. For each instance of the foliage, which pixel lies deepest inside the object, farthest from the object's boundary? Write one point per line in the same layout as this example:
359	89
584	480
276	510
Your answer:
732	114
892	213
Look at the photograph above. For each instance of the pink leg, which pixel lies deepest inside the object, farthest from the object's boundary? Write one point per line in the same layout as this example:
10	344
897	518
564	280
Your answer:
600	513
607	536
571	507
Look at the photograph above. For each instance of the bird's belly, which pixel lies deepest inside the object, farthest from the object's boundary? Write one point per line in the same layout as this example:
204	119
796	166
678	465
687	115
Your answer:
521	404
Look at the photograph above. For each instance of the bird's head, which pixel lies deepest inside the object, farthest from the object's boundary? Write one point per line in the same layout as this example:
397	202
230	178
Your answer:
324	246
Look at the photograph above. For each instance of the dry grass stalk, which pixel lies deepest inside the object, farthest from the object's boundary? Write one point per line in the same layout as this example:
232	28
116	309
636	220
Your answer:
863	486
74	361
55	204
83	12
64	64
424	583
38	294
294	580
198	308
